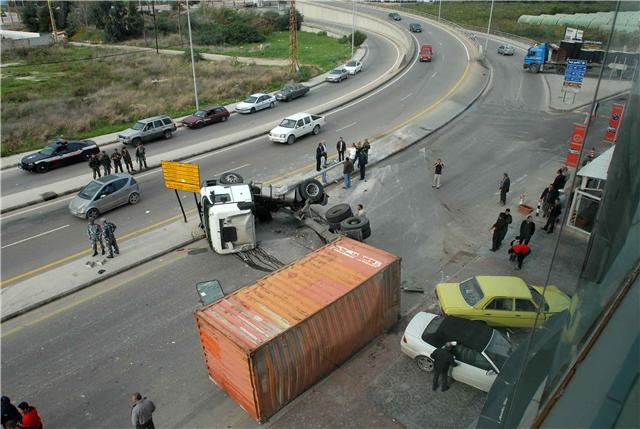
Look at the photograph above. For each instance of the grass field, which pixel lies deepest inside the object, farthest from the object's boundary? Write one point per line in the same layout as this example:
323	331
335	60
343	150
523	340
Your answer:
82	92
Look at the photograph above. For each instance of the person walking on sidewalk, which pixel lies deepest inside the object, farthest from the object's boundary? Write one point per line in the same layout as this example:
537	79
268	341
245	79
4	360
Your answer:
499	231
106	162
554	213
548	196
142	412
108	232
442	361
363	160
95	236
520	251
126	157
141	156
117	161
30	417
527	229
347	170
9	411
438	166
321	152
341	147
505	184
95	164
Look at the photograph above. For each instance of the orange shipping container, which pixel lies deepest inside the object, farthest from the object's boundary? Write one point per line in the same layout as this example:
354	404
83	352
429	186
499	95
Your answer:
267	343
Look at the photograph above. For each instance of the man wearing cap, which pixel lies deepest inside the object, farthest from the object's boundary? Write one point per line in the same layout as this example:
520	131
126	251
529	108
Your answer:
443	359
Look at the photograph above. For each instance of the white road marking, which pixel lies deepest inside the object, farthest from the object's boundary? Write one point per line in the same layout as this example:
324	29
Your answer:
520	179
233	169
346	126
434	74
36	236
406	96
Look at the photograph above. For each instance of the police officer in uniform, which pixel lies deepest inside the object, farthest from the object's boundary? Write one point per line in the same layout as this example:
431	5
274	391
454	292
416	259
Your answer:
108	232
95	236
117	163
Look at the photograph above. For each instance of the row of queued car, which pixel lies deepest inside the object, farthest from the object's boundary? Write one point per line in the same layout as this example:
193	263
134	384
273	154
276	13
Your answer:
351	68
473	312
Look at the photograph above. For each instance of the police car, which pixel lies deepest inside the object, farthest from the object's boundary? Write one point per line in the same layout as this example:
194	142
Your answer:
57	153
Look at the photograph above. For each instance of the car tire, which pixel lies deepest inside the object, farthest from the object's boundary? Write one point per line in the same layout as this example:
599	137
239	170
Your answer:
312	190
136	141
354	223
424	364
43	167
316	130
253	110
271	105
230	178
199	124
223	119
167	134
338	213
93	213
291	139
134	198
366	234
86	156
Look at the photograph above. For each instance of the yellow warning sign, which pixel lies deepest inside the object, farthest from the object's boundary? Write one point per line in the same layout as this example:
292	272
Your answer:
183	177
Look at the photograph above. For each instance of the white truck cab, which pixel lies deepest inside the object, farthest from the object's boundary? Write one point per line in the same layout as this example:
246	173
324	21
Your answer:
228	218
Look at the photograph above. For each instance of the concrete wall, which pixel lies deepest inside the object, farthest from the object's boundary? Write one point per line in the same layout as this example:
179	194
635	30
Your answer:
21	39
325	12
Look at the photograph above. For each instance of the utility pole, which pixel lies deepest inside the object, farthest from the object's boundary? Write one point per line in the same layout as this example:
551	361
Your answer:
53	21
293	40
353	31
144	22
439	9
155	24
486	40
193	64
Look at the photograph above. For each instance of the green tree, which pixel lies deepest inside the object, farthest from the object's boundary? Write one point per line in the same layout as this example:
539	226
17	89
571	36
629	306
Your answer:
29	16
98	13
122	22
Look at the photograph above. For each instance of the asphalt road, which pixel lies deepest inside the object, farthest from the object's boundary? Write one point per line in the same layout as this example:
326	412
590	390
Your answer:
45	233
136	331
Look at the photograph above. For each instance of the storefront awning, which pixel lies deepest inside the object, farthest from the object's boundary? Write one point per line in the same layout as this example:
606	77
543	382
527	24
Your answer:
599	167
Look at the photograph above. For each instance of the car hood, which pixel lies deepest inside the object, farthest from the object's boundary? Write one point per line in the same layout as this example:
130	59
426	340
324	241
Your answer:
450	297
128	132
243	105
34	157
280	130
77	204
191	119
557	300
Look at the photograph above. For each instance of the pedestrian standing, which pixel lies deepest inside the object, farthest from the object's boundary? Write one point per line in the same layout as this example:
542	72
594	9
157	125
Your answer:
347	170
442	361
141	156
142	412
95	236
117	161
505	184
94	163
126	157
508	220
567	175
363	160
9	412
499	231
106	162
548	196
527	229
520	251
559	180
360	211
321	152
30	417
108	232
438	166
341	147
554	212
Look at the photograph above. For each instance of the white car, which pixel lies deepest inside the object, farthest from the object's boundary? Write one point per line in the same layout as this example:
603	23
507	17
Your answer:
353	67
295	126
480	352
256	102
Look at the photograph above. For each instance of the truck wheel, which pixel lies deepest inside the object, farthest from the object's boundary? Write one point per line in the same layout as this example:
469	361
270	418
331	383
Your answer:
355	223
291	139
316	130
561	70
312	190
338	213
230	178
534	68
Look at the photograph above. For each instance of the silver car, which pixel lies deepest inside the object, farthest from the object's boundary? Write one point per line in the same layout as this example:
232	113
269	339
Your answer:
506	50
337	75
148	129
104	194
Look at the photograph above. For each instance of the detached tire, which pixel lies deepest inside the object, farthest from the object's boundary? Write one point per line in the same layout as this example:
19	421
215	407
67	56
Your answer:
230	178
338	213
312	190
354	223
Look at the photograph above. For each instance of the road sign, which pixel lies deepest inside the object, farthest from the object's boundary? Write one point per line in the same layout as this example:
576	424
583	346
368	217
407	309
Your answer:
181	177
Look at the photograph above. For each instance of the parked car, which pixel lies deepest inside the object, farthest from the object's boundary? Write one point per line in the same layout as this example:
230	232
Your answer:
295	126
501	301
480	351
395	16
506	50
206	116
58	153
415	28
353	66
256	102
148	129
337	75
426	53
104	194
291	91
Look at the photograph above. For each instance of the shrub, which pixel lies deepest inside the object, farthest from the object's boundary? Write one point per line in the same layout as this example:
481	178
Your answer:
359	38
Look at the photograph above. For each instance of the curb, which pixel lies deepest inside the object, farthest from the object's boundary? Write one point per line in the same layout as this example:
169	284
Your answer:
104	276
605	98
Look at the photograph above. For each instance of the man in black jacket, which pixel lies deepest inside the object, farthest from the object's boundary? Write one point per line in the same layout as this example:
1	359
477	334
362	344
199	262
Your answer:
442	360
548	196
554	212
341	147
321	152
505	184
499	231
527	229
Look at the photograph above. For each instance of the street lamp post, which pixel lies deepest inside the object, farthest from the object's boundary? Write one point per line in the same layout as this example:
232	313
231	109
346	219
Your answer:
439	9
353	30
193	64
486	40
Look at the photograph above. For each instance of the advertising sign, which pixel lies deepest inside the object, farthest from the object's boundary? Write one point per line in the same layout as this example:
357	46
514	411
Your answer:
575	146
614	122
182	177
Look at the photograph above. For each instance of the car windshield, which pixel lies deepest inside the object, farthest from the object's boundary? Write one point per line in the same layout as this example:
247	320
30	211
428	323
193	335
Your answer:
90	190
498	349
48	150
200	113
287	88
288	123
251	100
538	299
351	64
138	126
471	291
336	71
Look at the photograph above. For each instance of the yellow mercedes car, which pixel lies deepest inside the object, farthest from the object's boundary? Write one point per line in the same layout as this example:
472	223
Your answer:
501	301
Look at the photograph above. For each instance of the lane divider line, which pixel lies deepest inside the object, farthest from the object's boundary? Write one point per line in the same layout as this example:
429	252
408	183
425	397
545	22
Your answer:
35	236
